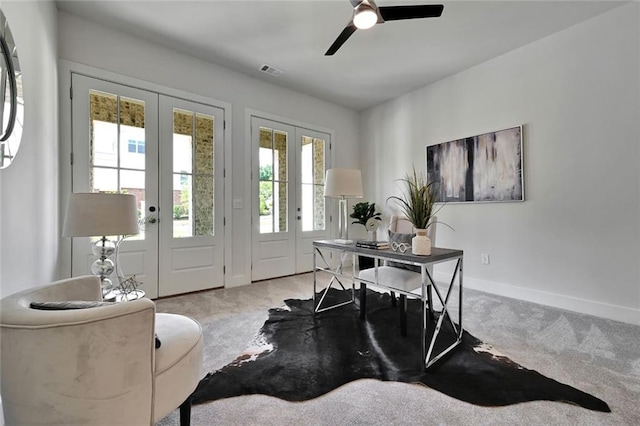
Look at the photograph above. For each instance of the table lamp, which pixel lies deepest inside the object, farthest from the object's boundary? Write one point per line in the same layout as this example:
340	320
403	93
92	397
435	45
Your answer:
100	214
343	184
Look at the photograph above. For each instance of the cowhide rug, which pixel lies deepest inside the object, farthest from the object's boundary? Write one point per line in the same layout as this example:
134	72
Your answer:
297	356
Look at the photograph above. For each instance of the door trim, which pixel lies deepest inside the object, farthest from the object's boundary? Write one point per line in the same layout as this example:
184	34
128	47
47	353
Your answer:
65	69
200	274
248	188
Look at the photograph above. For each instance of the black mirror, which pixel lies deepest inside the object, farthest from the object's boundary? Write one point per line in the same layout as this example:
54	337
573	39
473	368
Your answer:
11	97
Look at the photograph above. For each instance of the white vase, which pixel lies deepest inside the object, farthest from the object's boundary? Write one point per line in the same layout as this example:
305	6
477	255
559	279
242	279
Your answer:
421	244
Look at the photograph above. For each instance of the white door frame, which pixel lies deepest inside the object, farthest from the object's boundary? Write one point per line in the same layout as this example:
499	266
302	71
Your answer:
141	255
249	113
197	262
65	69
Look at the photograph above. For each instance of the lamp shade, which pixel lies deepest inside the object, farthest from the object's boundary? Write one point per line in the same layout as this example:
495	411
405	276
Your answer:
96	214
341	183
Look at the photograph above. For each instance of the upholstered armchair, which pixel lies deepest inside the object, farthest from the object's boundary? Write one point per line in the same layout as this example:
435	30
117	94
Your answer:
94	366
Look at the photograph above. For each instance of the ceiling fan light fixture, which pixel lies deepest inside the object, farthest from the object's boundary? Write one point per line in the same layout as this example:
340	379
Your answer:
364	16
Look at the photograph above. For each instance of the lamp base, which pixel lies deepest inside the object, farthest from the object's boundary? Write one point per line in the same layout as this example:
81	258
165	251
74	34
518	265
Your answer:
343	241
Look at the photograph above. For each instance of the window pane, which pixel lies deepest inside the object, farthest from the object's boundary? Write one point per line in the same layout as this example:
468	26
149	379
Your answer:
203	206
280	156
318	187
266	207
266	138
117	147
204	144
306	158
204	191
193	167
307	212
273	180
312	177
280	185
182	141
104	180
104	130
132	182
131	128
182	224
280	206
318	209
318	161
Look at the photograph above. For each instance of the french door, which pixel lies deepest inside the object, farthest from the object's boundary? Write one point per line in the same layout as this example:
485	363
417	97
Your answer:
288	204
168	153
191	196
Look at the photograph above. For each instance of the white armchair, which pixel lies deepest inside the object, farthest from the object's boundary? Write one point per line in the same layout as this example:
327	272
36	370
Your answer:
96	366
398	277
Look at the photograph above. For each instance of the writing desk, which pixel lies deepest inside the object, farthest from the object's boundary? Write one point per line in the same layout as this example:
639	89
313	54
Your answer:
438	255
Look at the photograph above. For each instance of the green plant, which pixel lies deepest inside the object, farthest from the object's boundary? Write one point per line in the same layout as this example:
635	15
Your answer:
176	212
266	172
266	198
418	199
266	189
362	212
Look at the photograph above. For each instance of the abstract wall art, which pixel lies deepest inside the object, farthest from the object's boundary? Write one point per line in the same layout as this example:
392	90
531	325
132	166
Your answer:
482	168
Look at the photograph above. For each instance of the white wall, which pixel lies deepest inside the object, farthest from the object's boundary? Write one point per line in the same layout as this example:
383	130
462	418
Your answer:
29	186
88	43
574	243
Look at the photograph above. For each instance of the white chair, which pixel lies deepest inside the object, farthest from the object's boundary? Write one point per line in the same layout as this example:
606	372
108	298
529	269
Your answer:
95	366
398	277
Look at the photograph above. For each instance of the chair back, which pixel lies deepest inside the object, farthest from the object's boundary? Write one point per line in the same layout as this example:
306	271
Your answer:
402	225
80	366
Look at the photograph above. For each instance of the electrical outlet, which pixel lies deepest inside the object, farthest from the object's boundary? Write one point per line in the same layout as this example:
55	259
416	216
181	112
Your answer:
484	258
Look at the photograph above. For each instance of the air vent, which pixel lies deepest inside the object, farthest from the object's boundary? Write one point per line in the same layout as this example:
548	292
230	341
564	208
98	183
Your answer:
271	70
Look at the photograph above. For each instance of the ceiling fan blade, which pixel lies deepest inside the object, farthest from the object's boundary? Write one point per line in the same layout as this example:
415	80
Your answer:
354	3
344	35
397	13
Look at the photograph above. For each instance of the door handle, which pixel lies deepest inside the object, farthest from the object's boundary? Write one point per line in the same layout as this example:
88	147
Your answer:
152	219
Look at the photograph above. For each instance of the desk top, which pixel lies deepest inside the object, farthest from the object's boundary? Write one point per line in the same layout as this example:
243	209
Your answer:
437	254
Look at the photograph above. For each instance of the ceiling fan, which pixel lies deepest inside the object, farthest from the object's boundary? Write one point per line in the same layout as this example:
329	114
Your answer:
366	14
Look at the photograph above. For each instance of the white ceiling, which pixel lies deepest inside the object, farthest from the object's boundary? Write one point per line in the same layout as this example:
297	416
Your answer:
373	66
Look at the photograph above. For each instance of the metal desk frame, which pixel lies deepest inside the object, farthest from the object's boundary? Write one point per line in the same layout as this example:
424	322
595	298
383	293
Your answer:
438	255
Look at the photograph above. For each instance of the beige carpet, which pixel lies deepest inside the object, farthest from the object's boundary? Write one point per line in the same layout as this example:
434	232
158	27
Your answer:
597	356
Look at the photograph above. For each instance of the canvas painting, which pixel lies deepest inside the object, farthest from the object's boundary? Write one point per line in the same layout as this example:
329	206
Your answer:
482	168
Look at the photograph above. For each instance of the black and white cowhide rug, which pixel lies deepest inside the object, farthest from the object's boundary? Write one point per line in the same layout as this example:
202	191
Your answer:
297	357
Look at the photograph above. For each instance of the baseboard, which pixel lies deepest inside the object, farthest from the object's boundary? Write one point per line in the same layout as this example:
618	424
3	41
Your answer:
583	306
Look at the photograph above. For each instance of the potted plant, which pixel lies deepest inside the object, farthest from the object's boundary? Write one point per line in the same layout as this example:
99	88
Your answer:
417	202
363	213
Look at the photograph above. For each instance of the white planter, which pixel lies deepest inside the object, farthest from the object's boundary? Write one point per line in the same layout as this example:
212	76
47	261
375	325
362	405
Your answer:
421	244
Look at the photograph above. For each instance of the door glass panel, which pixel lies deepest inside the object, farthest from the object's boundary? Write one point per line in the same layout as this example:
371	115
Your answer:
273	182
132	143
105	180
182	226
312	180
193	174
117	147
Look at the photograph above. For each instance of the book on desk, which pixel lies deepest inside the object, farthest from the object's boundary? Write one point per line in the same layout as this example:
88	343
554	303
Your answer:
378	245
